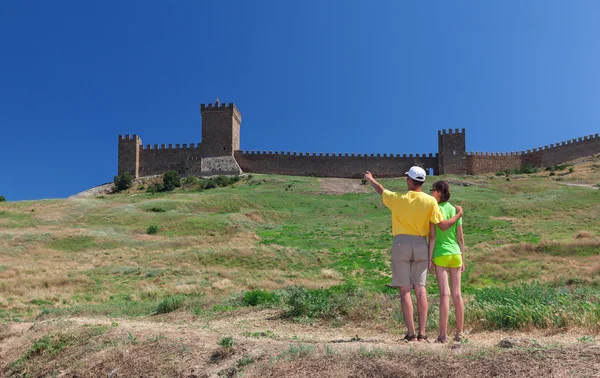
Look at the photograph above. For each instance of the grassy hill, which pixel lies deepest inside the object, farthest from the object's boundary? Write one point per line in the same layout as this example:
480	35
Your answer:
313	251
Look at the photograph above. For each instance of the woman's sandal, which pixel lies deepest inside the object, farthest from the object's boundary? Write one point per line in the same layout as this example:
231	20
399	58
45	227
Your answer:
441	339
458	337
409	338
421	337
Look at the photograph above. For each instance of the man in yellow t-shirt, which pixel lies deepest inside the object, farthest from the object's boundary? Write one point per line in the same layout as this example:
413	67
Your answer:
411	214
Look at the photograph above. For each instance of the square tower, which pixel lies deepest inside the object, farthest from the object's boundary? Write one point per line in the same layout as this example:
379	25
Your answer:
452	152
129	155
220	129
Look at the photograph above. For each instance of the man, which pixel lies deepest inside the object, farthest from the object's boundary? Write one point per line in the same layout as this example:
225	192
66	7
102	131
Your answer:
411	214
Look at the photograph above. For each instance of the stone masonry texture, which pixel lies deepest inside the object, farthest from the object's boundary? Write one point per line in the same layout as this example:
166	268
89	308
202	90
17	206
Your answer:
220	153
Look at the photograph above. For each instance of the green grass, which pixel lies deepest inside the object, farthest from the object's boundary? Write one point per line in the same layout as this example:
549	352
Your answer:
72	243
290	231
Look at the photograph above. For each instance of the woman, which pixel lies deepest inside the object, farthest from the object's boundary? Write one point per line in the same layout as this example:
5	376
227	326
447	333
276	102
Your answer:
446	257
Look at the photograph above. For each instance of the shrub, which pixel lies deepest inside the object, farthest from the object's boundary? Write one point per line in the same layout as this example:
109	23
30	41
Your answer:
528	168
190	181
154	188
552	174
227	342
260	298
321	303
157	210
571	170
171	180
2	199
152	230
206	184
169	304
123	181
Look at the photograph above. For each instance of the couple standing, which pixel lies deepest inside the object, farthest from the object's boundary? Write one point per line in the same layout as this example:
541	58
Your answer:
416	216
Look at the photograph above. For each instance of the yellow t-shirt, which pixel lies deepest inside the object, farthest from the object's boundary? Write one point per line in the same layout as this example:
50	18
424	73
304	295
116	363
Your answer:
412	212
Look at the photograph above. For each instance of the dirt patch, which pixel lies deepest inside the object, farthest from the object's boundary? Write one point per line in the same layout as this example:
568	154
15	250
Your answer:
342	186
264	345
255	216
558	362
508	219
582	185
100	190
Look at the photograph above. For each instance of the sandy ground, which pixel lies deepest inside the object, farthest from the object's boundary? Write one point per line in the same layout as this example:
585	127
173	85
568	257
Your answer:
342	186
182	345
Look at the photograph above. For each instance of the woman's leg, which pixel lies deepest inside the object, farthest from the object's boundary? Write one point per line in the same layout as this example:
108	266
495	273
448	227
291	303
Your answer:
442	279
455	276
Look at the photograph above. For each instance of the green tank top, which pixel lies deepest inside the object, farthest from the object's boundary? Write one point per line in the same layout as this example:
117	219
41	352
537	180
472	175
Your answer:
446	242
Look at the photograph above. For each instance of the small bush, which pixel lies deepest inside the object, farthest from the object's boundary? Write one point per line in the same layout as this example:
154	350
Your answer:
152	230
227	342
123	181
157	210
571	170
260	298
190	180
2	199
528	169
169	304
552	174
207	184
321	303
171	180
154	188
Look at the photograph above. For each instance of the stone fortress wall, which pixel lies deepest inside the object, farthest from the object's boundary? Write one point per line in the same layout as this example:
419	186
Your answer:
220	153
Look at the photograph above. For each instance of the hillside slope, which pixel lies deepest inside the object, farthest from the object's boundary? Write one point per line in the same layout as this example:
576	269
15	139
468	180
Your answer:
286	263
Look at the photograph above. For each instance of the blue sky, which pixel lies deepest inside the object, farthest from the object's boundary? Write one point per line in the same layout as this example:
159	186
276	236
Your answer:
309	76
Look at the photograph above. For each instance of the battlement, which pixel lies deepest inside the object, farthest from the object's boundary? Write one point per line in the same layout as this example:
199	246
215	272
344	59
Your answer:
219	107
129	137
549	148
221	146
170	146
334	154
450	132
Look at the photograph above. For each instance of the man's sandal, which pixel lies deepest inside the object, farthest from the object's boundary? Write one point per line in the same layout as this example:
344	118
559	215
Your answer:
421	337
441	339
409	338
458	337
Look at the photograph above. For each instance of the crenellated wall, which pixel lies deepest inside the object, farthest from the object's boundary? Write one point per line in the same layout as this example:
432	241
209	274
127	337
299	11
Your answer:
157	159
331	165
486	162
220	153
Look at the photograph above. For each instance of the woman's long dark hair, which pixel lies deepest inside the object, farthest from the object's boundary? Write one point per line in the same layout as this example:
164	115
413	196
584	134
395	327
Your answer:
444	189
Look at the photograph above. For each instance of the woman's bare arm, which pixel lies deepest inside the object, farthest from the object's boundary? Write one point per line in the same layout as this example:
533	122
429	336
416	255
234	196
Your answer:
431	245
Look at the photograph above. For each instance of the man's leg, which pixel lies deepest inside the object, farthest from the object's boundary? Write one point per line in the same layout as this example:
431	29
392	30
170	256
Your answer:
407	309
401	263
418	278
422	307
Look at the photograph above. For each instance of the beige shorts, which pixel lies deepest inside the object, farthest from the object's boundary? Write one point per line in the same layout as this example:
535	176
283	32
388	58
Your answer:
409	260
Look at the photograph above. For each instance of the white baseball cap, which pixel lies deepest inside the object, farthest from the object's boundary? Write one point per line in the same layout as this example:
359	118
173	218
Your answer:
416	173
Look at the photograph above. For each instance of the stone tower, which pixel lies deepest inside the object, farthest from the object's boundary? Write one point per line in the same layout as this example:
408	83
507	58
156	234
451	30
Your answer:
452	152
220	129
129	154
